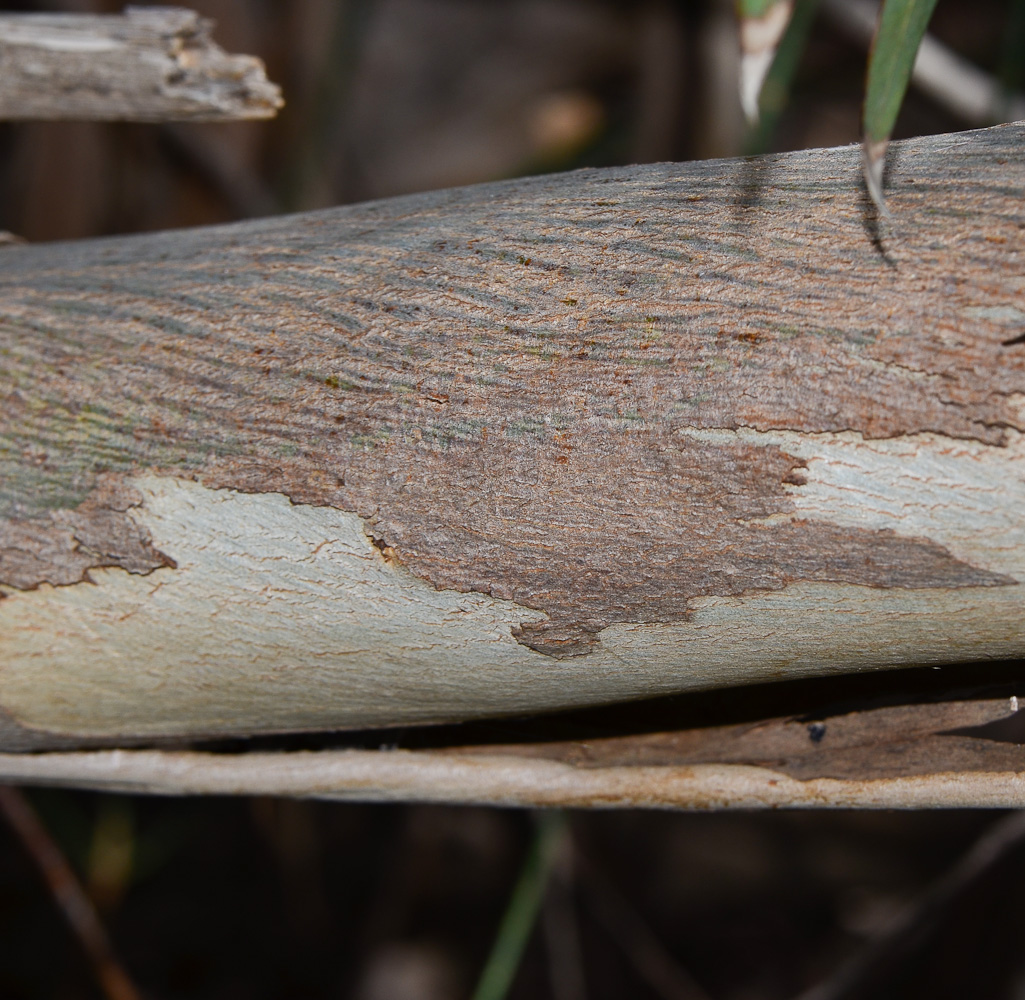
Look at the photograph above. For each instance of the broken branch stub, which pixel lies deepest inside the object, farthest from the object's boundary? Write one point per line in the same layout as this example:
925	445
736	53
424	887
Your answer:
148	64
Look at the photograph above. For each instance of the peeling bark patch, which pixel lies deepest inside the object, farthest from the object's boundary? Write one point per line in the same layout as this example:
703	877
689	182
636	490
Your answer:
631	529
560	639
278	616
870	743
60	548
964	496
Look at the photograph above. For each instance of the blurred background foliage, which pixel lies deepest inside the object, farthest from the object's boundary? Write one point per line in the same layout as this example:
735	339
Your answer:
280	899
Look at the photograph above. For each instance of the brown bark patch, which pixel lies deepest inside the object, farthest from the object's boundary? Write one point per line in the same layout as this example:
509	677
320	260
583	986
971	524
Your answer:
630	529
870	743
60	548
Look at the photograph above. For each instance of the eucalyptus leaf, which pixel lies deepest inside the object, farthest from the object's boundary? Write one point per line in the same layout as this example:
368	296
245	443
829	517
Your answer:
902	25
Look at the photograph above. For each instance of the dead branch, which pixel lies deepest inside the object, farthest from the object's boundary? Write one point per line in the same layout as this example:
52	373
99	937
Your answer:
148	64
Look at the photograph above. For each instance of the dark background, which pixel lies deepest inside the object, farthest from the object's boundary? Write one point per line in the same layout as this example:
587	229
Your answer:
278	899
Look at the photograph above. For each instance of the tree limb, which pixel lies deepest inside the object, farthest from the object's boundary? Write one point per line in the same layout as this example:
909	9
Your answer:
539	444
473	779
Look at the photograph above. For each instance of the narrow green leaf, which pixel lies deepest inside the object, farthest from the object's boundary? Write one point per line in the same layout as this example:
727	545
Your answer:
902	24
762	25
521	912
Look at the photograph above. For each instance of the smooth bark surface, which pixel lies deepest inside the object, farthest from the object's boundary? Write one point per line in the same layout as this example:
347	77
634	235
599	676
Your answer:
148	64
544	443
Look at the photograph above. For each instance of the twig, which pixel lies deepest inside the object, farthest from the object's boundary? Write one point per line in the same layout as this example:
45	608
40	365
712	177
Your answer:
479	778
562	935
69	895
641	946
996	843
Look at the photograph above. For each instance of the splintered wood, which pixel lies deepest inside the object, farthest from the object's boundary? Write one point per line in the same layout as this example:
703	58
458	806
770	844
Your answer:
148	64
